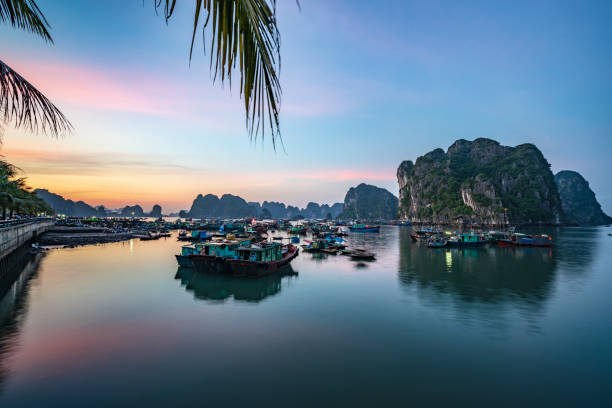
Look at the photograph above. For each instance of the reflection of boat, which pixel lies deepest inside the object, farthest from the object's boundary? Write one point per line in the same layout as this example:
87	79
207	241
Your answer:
223	287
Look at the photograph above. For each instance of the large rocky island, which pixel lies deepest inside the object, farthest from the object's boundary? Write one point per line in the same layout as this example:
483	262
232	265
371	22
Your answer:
367	202
578	200
479	182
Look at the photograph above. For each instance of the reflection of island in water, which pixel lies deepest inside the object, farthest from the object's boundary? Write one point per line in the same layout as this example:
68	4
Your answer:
16	272
492	274
221	287
485	275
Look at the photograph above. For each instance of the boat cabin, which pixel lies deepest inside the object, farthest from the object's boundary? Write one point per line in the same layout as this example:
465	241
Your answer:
222	248
269	252
187	250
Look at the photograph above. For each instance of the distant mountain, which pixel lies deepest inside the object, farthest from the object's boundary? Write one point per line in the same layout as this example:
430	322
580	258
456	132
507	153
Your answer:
479	182
132	211
231	206
204	206
367	202
69	207
578	200
228	206
156	211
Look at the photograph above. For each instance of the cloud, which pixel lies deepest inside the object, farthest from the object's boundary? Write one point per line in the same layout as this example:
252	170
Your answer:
75	163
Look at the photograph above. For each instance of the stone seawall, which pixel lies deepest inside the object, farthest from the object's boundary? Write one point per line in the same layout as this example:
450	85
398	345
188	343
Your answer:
13	236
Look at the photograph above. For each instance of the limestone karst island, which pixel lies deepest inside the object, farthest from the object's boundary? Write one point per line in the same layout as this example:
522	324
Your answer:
232	203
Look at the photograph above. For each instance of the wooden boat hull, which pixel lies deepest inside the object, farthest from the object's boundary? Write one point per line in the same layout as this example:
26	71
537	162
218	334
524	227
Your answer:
371	229
436	245
183	260
363	257
210	264
254	269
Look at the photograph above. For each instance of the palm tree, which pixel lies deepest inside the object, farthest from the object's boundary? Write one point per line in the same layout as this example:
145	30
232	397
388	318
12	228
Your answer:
244	33
21	104
16	196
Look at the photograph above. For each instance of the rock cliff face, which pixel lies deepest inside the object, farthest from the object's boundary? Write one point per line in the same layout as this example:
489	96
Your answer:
578	200
367	202
479	182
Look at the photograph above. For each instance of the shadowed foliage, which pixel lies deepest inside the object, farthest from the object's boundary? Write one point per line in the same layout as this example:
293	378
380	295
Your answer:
21	104
16	196
243	34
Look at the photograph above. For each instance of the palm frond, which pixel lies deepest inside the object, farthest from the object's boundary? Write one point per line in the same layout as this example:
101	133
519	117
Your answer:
26	15
24	106
244	33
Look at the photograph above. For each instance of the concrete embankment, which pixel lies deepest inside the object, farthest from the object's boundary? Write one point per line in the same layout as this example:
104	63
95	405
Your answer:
73	236
15	234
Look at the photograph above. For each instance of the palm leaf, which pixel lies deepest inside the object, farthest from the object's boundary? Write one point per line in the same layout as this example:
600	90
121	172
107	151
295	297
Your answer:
22	105
26	15
244	33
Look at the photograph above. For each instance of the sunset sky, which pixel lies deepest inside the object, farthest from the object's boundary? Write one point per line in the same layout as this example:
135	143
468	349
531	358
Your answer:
364	87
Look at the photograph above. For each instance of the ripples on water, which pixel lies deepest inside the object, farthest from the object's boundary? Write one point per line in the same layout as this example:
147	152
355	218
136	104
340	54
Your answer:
119	324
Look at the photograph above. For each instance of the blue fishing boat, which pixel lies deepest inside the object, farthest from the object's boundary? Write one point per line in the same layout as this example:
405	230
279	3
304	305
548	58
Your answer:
466	239
437	242
364	228
211	257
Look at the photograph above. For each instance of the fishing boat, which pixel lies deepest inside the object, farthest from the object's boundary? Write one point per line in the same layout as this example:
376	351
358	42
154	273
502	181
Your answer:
466	239
404	223
362	255
149	237
183	236
526	240
423	234
364	228
260	260
211	257
437	242
183	258
533	240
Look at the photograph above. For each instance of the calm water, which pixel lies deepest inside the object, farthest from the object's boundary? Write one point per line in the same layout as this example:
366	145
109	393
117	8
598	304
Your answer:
121	325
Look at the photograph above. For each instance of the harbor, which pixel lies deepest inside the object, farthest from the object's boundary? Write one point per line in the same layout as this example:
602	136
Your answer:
407	310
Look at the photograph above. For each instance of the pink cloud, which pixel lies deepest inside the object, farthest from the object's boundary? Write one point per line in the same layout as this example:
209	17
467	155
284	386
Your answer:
94	87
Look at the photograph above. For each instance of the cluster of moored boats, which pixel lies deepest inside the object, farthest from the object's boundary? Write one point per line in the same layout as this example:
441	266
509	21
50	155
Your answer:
244	249
333	244
435	238
239	255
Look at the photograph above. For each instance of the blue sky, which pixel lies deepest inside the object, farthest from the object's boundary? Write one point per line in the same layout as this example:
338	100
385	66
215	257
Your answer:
365	86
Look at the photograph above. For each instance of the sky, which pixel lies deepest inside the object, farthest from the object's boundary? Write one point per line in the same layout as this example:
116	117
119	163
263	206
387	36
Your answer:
365	86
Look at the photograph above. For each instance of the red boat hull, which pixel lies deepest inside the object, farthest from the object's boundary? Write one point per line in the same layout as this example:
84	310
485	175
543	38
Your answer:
254	269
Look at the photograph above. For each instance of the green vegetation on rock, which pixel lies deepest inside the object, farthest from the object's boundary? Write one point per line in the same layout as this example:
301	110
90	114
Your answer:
479	182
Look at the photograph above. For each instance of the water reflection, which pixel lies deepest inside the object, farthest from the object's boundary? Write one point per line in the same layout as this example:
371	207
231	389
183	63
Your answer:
488	274
219	288
16	273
